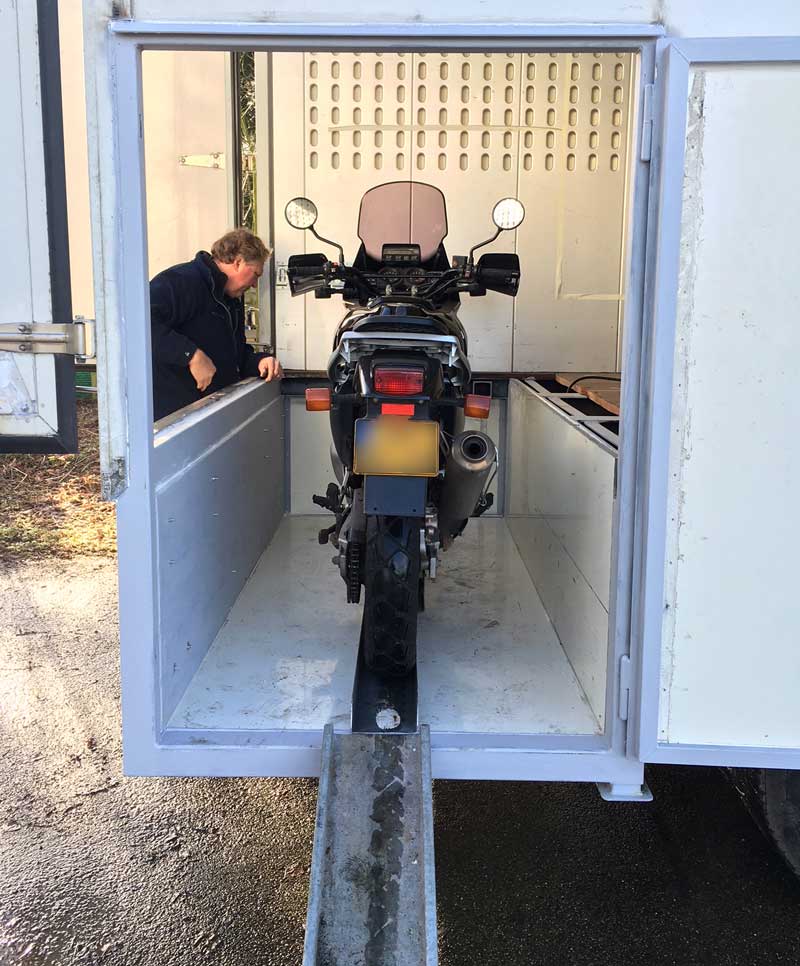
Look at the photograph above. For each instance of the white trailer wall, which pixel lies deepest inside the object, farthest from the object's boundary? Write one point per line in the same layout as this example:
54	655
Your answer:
76	161
751	192
730	671
677	17
187	100
560	512
681	18
28	398
186	116
549	128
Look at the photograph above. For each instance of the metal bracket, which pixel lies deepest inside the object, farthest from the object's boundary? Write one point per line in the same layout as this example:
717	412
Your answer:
615	792
281	275
215	160
647	123
624	687
53	338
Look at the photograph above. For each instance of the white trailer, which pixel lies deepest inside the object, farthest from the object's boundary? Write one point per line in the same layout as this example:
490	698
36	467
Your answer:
633	599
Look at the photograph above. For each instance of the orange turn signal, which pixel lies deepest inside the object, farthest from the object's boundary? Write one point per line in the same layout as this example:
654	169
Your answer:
477	406
318	400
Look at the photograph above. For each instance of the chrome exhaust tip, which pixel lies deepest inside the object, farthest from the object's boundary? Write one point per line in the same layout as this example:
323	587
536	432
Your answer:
474	447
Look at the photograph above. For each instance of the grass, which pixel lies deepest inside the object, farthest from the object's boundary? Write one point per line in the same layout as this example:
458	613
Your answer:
51	506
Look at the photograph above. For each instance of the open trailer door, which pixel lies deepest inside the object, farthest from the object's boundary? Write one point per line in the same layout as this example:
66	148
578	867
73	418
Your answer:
719	606
38	339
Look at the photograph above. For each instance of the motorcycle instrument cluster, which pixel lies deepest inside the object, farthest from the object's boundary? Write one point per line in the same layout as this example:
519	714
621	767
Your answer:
405	255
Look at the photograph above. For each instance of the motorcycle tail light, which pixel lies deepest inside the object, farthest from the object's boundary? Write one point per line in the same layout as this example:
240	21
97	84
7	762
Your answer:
398	382
477	406
318	400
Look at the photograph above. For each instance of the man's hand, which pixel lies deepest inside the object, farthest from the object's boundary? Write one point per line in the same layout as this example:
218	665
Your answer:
202	368
269	369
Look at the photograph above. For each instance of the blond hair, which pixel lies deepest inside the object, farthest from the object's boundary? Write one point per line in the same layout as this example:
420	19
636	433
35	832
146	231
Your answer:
240	243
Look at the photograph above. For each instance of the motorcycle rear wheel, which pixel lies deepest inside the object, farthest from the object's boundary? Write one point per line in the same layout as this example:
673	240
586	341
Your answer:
391	594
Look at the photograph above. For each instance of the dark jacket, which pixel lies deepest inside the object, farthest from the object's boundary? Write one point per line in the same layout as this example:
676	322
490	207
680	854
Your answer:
189	310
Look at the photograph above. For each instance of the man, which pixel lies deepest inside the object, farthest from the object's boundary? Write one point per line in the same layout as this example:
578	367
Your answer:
197	317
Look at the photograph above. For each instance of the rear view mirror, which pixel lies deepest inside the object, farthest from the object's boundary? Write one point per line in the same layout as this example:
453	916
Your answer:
498	272
301	213
508	214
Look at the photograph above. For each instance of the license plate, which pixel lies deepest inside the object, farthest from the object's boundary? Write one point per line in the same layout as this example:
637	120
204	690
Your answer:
396	446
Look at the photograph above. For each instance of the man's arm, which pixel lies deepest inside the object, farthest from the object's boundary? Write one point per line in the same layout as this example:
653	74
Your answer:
252	363
261	364
249	360
170	347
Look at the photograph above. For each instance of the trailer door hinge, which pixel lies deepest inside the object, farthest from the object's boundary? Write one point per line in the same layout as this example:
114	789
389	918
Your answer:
624	687
647	123
214	160
54	338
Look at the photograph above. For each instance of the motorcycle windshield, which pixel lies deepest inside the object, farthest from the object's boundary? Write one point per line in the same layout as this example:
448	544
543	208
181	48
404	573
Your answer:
402	213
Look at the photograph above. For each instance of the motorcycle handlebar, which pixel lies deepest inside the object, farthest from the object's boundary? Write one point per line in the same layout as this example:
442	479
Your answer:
305	271
373	283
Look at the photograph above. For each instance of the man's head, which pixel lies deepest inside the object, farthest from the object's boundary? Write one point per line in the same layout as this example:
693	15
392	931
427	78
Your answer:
240	255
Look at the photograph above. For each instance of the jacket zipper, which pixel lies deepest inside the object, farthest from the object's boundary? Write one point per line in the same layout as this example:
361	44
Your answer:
230	328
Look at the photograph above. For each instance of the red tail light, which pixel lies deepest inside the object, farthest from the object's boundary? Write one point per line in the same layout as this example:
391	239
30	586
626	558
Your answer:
398	382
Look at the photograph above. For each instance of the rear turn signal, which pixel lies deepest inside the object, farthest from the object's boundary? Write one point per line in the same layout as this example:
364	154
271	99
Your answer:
477	406
398	382
318	400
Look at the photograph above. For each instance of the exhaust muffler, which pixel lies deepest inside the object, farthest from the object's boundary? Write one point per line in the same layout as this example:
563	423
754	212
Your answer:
473	457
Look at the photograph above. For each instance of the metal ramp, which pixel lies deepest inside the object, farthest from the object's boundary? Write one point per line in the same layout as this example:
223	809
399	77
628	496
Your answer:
372	890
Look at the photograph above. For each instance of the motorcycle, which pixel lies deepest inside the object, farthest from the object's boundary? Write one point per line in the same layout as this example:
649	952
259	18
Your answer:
409	476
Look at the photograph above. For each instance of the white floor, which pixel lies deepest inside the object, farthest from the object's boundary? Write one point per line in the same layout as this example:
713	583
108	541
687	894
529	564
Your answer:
489	660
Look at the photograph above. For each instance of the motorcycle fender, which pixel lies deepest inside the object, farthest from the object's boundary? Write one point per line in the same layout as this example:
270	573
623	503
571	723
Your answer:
397	496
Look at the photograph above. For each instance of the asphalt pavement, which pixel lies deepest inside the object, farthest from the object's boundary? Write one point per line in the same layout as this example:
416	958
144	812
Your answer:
96	868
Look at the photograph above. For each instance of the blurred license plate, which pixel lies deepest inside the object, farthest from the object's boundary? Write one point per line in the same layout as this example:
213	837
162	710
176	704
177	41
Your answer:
396	446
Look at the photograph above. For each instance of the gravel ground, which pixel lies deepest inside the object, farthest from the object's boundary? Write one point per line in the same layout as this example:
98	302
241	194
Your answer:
50	505
96	868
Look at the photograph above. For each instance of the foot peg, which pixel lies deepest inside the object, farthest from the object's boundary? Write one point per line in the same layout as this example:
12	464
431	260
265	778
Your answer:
324	534
331	501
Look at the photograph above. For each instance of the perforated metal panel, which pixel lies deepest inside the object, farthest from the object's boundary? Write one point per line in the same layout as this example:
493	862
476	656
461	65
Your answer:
358	109
575	123
551	129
